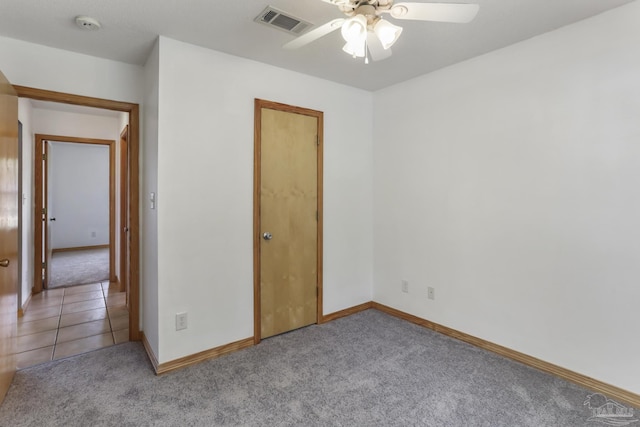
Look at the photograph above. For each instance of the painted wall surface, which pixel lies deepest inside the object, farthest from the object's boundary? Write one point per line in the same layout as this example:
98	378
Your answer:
205	191
509	183
28	64
52	122
148	218
79	190
25	117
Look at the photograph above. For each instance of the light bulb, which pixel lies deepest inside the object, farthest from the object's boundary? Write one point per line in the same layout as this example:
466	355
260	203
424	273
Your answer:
387	33
354	29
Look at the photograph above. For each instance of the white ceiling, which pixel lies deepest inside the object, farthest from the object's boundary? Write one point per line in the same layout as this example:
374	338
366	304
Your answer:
130	28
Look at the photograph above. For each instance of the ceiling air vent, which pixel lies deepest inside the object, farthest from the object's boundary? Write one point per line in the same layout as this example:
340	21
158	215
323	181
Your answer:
282	21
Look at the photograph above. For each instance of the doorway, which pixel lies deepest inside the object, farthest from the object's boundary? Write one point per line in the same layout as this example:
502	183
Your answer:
74	224
287	218
133	298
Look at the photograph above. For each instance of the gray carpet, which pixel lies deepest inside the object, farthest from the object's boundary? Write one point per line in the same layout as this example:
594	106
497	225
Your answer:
368	369
79	267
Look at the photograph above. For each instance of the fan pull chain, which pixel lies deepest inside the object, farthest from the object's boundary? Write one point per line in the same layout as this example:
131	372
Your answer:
366	53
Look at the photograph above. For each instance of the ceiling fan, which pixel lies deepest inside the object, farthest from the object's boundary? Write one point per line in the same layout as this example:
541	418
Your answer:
366	32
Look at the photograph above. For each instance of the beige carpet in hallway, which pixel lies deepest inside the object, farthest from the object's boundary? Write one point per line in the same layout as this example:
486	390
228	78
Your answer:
79	267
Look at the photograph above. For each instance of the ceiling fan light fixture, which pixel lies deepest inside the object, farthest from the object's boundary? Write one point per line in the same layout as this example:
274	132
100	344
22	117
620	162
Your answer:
366	33
354	30
387	33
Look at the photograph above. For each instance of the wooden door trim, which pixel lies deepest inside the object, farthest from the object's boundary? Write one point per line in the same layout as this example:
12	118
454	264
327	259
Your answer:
134	182
43	189
259	104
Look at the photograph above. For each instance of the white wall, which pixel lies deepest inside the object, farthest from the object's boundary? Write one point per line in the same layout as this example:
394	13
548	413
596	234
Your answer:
28	201
205	188
38	66
509	183
64	123
148	218
79	190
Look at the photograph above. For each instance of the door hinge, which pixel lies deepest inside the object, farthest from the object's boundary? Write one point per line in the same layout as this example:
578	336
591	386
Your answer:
44	211
44	156
317	291
44	265
317	140
317	216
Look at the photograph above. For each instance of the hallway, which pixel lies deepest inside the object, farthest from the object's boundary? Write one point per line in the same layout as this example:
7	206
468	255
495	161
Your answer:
64	322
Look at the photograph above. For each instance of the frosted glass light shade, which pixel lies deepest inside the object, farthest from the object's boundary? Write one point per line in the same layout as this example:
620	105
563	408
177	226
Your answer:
387	33
355	49
354	29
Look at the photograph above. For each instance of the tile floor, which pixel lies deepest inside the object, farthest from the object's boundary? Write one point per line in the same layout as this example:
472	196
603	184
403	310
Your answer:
67	321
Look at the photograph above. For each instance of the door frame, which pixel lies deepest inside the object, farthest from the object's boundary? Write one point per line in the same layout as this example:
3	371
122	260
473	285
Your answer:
41	181
133	110
259	104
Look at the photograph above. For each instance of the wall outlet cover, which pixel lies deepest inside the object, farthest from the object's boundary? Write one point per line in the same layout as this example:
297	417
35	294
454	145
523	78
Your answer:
181	321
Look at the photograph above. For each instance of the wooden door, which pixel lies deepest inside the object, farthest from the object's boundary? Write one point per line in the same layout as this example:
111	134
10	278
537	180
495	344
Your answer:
124	211
289	213
8	232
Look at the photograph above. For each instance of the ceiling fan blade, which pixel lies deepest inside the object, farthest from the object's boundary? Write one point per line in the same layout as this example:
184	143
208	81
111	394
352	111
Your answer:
314	34
378	53
441	12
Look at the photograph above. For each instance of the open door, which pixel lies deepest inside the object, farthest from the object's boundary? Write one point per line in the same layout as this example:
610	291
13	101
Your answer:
8	232
47	218
124	212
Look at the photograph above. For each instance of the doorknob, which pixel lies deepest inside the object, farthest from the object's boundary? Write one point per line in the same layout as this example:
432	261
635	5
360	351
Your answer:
4	262
267	236
52	219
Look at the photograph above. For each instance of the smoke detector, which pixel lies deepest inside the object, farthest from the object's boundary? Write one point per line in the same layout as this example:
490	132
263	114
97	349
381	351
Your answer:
88	23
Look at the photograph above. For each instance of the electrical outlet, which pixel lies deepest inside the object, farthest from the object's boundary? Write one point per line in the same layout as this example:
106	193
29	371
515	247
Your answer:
405	286
181	321
431	293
